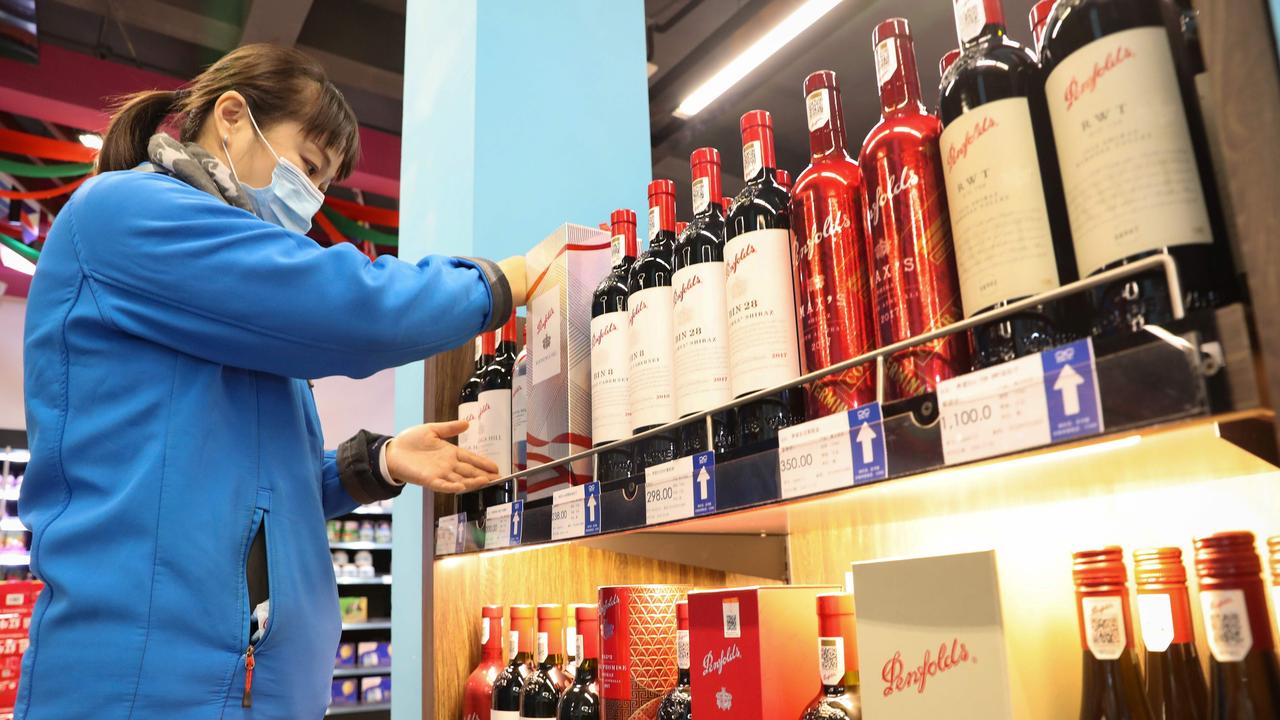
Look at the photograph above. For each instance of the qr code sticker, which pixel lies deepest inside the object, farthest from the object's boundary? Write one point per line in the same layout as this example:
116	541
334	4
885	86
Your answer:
750	160
1227	621
831	660
732	621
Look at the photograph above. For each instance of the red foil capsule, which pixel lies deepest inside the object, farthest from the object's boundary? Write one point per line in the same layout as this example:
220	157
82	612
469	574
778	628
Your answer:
913	264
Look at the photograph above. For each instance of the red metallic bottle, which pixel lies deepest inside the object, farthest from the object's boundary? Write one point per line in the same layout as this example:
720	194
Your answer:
478	695
831	256
784	179
1174	682
1112	687
913	264
1038	18
947	60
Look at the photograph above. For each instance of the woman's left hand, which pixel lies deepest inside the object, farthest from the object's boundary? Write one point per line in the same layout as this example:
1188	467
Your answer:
422	455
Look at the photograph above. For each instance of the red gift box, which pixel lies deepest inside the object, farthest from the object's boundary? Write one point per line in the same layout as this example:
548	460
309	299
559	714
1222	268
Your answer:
637	648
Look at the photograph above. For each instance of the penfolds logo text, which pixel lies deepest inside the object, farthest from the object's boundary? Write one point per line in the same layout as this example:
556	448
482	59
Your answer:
686	286
1077	88
712	663
484	409
834	224
609	604
545	320
898	678
885	195
738	257
636	311
604	332
956	153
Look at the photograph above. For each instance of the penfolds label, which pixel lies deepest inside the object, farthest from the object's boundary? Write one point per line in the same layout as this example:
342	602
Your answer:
1105	633
751	160
971	17
886	60
999	220
701	338
715	663
493	417
610	399
1128	166
571	641
818	108
504	715
899	677
831	660
469	439
682	649
655	222
650	378
1226	624
581	647
1155	615
544	314
520	413
701	194
764	350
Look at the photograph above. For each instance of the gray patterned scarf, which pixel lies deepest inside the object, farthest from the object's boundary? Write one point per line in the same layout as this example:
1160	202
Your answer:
194	165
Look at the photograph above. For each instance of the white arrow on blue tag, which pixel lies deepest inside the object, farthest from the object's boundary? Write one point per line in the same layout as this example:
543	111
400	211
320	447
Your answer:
591	509
704	483
1071	391
866	432
517	522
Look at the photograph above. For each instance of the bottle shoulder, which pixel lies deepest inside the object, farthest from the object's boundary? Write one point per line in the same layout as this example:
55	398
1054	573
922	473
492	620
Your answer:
911	129
996	70
843	707
651	269
839	171
1076	23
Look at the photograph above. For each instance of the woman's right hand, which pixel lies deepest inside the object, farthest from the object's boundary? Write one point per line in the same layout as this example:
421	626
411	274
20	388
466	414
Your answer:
423	456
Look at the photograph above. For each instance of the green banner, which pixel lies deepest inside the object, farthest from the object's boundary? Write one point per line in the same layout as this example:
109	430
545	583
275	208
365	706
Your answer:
19	247
30	170
355	230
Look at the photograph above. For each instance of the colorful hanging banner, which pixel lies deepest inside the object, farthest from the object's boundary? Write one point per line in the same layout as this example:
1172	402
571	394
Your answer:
31	170
17	246
335	237
20	143
43	194
352	229
365	213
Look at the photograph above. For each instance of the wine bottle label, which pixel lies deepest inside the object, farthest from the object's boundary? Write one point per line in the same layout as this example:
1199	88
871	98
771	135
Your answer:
484	632
504	715
479	349
701	338
999	221
886	60
650	379
818	108
655	222
571	641
494	418
470	438
1155	613
1104	628
514	636
971	17
831	660
732	618
582	648
760	294
610	408
751	161
543	644
1226	624
701	194
682	649
1128	166
617	249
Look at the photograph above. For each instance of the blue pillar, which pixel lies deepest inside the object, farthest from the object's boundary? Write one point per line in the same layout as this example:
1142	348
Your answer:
518	116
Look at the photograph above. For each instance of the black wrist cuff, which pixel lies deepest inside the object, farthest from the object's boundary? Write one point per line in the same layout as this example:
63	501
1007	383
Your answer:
358	469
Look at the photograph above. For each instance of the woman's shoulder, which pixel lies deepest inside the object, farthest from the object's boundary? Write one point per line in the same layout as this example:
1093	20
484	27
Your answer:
126	196
131	184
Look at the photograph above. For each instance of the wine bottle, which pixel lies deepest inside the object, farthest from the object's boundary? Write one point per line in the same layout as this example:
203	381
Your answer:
540	694
570	641
913	264
493	412
477	699
838	698
946	61
1175	684
678	703
506	688
1244	680
469	396
610	403
784	180
650	377
1112	687
680	226
701	333
582	700
763	341
1135	163
1037	18
831	256
1008	219
520	409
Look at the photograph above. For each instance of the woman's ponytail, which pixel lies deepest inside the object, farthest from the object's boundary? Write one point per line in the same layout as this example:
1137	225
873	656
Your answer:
135	119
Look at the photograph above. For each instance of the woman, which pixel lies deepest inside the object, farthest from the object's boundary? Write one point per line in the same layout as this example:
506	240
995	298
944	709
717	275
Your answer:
178	489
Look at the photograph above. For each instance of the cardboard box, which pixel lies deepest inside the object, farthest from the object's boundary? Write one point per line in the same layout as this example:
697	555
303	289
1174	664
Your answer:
344	692
374	654
753	651
563	271
637	648
355	609
375	690
346	656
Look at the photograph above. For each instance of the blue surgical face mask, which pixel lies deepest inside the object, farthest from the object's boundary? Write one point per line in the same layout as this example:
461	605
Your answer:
289	200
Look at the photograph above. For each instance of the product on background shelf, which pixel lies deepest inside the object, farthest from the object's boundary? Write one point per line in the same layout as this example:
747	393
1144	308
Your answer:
678	704
650	323
1008	219
784	179
563	271
346	655
610	400
375	690
838	697
637	648
582	700
752	651
541	692
947	60
469	397
1112	688
477	699
1037	19
520	409
493	410
366	532
346	691
1244	677
764	348
382	533
377	653
913	264
832	256
354	608
1135	162
506	688
350	531
1174	681
700	326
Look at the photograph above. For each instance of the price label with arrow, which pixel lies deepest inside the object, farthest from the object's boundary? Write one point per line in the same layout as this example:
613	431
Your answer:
680	489
832	452
498	521
575	512
1071	385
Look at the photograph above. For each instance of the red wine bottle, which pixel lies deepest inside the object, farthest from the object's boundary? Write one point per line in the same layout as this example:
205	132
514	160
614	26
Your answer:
582	700
913	264
610	404
763	340
540	695
1244	680
838	697
469	396
1174	682
784	180
493	412
832	256
1037	18
477	698
678	703
1112	688
650	323
506	688
1007	214
520	409
701	329
1135	163
946	61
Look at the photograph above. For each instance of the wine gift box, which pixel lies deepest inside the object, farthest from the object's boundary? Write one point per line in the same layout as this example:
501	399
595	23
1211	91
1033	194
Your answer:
931	638
637	648
752	651
563	270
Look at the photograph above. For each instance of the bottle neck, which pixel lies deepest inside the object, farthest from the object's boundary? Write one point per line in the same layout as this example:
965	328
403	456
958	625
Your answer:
759	156
978	21
826	123
898	77
682	677
623	243
848	685
492	646
587	670
552	660
706	189
662	216
1106	626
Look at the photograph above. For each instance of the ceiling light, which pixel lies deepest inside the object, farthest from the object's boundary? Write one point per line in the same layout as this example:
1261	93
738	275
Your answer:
93	141
751	58
14	261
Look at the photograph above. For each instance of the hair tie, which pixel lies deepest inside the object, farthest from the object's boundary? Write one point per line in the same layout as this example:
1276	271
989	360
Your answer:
180	96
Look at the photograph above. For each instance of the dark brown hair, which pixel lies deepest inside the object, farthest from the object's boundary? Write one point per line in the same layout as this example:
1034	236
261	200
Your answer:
278	83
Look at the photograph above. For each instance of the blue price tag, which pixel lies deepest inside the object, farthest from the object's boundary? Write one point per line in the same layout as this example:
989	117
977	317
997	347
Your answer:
866	433
704	483
517	522
1071	391
591	509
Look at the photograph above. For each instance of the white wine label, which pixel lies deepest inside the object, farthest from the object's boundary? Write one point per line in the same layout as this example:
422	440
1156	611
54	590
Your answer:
655	221
484	632
571	641
504	715
650	378
701	338
610	399
1155	615
1226	624
831	660
494	419
818	108
701	194
759	291
732	618
470	438
544	643
886	60
617	249
751	161
971	17
544	348
999	221
1128	166
682	649
514	637
1104	629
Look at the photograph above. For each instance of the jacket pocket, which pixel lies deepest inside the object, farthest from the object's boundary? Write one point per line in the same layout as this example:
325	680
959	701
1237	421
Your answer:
259	580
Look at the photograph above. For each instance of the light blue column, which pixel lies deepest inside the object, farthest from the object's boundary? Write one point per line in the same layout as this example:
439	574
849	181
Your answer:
518	116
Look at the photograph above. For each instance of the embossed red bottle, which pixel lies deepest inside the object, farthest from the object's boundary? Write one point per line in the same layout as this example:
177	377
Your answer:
478	696
831	256
1112	687
1174	682
913	264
